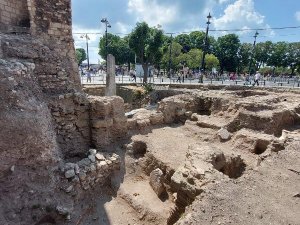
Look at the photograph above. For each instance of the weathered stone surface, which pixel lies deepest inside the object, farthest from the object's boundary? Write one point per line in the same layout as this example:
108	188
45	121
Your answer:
92	158
70	173
93	151
102	165
100	157
110	76
223	134
157	181
156	118
107	119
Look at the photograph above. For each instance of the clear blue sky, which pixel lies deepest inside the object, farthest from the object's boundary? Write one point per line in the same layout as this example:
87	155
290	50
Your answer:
186	15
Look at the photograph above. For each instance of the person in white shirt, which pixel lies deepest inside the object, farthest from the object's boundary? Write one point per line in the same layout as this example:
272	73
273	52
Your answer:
256	78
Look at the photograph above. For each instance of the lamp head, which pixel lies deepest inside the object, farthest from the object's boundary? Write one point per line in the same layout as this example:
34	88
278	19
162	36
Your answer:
209	16
104	20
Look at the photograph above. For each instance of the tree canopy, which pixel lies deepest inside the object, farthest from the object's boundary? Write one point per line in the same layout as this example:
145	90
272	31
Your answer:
80	55
118	47
226	53
226	49
146	42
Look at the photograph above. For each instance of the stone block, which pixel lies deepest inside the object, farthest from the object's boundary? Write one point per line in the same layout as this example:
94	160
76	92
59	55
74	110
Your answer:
157	181
110	76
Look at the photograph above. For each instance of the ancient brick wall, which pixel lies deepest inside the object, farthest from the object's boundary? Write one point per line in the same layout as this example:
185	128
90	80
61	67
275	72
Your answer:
51	18
14	13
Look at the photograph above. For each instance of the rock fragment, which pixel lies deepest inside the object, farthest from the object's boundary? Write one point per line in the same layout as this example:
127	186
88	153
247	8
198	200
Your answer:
223	134
157	181
70	173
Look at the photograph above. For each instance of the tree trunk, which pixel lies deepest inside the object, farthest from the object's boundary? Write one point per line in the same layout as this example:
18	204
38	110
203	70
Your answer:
293	70
128	66
145	68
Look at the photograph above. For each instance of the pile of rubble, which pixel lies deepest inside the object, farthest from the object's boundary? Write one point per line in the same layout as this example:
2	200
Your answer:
97	168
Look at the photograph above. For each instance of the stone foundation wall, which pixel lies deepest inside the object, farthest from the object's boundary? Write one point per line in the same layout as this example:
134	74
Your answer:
96	169
108	121
70	114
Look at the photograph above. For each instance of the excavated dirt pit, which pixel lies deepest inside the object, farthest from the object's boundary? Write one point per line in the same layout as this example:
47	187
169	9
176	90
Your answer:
190	175
217	161
232	166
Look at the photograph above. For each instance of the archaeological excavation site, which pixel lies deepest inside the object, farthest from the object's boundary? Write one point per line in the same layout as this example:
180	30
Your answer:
198	155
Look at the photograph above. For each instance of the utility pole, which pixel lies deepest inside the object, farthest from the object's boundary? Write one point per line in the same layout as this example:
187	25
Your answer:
251	56
170	56
87	38
205	49
107	25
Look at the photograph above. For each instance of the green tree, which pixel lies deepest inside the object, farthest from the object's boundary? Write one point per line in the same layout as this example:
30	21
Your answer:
176	52
80	55
192	59
244	55
211	61
195	57
118	47
278	55
293	56
262	53
197	39
184	41
146	42
226	49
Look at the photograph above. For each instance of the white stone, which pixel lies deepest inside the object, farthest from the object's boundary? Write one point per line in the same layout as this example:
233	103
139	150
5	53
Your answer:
100	157
70	173
224	134
93	151
102	165
188	113
157	181
92	158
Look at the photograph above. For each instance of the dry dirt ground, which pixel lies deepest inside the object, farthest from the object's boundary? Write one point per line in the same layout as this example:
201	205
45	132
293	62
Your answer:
251	177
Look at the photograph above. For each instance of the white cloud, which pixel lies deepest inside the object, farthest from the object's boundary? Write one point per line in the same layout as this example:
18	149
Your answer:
240	15
223	1
153	12
122	28
297	15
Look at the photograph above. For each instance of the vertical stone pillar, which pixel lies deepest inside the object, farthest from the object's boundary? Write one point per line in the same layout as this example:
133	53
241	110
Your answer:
110	76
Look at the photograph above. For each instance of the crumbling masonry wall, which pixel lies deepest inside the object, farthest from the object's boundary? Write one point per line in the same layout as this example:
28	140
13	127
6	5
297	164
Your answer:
46	118
14	13
50	47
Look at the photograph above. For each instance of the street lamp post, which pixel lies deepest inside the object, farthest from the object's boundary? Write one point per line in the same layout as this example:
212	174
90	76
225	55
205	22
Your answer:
87	38
254	43
107	25
205	49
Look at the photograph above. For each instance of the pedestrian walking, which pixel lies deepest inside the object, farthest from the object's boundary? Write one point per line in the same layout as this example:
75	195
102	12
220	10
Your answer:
247	79
89	76
134	77
256	78
179	78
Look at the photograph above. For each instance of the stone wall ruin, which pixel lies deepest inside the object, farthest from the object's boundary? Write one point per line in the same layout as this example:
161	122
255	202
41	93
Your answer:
46	117
14	13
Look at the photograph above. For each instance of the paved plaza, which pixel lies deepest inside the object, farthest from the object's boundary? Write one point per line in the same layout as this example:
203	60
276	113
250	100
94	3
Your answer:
270	82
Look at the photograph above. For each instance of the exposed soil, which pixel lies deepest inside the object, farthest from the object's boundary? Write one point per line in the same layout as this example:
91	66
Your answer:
251	178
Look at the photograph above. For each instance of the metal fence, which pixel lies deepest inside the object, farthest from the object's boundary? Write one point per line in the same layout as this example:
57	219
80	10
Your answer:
125	79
